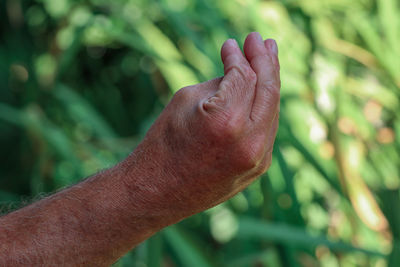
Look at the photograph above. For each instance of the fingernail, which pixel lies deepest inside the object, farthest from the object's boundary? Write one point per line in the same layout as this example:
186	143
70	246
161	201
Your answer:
259	38
273	46
233	42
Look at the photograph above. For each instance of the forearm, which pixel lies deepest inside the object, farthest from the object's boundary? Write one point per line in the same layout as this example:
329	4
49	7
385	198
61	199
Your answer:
210	142
92	223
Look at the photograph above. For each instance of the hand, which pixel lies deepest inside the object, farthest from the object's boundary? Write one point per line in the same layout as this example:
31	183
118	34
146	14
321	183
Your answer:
210	142
214	138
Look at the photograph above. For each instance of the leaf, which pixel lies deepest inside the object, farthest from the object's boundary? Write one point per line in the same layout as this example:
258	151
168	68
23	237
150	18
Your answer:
154	251
291	235
184	248
82	111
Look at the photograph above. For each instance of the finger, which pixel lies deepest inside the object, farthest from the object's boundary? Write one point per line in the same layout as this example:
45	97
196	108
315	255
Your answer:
272	48
238	84
266	97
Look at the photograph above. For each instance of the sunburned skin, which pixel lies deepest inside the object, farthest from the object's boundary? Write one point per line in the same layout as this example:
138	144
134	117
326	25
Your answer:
211	141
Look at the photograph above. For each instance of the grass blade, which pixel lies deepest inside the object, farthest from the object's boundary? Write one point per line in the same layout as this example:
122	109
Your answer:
292	235
187	253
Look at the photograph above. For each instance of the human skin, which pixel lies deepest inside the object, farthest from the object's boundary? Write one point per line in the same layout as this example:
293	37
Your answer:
210	142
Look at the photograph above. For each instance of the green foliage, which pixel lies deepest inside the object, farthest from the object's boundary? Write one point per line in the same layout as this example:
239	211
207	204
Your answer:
82	81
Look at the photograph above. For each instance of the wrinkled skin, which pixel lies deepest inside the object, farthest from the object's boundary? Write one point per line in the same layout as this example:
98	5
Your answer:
214	138
211	141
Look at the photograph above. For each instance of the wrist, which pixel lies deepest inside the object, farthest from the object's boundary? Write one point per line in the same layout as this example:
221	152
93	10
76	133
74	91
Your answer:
149	190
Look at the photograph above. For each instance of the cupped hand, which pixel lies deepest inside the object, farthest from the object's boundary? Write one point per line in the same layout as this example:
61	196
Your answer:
213	139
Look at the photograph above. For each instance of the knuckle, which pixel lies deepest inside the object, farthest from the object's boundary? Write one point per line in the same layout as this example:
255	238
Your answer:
213	110
271	94
246	74
225	127
243	73
250	155
238	82
227	84
273	90
232	128
217	100
247	160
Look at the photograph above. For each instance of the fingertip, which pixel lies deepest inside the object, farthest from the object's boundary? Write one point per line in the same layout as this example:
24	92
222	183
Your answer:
230	46
231	42
253	36
271	46
254	46
232	56
256	36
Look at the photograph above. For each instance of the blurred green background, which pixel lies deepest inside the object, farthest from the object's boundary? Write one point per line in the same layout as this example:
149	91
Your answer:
82	81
